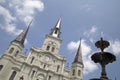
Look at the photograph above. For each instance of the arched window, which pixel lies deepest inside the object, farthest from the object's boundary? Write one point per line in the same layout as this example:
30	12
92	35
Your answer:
32	60
58	67
11	50
48	47
44	66
12	75
56	30
33	73
53	49
16	53
49	78
73	73
79	72
1	66
21	78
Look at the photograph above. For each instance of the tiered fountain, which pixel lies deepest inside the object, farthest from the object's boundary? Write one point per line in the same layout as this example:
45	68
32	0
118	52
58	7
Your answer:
103	58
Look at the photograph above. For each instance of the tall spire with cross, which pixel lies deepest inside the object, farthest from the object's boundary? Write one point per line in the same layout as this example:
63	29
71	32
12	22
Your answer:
55	32
78	57
21	37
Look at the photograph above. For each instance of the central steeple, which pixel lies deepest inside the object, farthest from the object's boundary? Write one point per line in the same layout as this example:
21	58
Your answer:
52	41
55	32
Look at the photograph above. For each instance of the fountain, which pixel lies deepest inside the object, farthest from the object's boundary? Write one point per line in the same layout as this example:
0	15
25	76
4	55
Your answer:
103	58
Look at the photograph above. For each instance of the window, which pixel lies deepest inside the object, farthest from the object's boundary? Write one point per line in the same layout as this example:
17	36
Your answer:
73	73
49	78
53	48
1	66
11	50
79	72
33	73
58	68
21	78
32	60
44	66
12	75
16	53
54	61
48	47
56	30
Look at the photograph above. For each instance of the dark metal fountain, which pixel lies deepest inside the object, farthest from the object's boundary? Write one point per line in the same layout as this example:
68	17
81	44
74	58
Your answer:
103	58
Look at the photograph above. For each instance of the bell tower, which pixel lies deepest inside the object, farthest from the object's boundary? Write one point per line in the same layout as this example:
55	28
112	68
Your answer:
52	40
77	65
17	44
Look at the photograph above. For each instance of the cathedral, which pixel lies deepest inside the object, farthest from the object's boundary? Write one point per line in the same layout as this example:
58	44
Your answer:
43	63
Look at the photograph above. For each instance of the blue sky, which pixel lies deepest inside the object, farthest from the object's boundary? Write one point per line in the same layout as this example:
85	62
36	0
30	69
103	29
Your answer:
85	19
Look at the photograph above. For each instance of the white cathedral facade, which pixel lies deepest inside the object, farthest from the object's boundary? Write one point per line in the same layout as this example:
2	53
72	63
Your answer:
43	63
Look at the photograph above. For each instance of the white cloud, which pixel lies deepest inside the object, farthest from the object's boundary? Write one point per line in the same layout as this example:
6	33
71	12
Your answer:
86	49
6	14
8	18
114	47
26	41
93	29
73	45
18	10
11	29
26	9
2	1
90	32
86	7
89	66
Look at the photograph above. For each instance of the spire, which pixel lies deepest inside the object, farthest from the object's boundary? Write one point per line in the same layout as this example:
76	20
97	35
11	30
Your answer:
58	24
21	37
56	30
78	57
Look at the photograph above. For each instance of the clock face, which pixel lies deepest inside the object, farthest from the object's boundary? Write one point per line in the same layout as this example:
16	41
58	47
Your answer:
47	58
